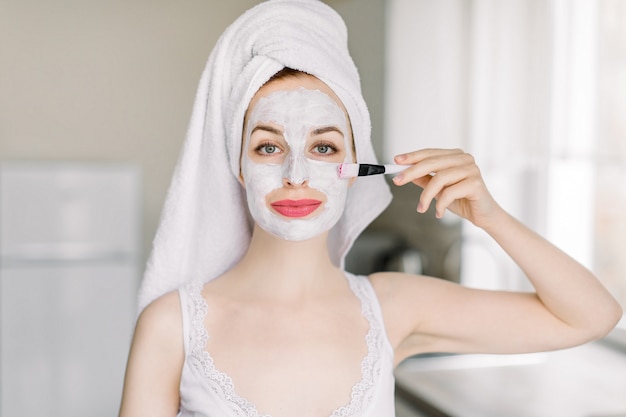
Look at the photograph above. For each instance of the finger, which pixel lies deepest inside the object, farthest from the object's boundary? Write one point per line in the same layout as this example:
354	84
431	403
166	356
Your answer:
422	154
449	195
422	182
435	163
439	183
405	178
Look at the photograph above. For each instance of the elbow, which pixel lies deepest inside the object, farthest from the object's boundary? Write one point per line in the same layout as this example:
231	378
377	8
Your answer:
617	313
599	324
608	321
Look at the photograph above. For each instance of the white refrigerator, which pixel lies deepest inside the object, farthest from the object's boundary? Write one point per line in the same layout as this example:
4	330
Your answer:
69	246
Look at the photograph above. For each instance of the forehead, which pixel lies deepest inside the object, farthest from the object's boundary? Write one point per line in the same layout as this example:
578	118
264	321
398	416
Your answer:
295	110
290	83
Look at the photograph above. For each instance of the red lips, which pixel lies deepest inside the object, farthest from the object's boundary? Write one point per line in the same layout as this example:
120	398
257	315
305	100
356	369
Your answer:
296	208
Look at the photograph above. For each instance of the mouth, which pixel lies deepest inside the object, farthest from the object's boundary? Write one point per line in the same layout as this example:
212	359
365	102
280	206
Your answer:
296	208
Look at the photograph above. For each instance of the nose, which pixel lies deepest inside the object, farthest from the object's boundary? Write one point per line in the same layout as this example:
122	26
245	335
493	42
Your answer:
297	172
289	183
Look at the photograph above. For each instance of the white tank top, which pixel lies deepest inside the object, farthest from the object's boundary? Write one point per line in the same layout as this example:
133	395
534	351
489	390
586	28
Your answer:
207	392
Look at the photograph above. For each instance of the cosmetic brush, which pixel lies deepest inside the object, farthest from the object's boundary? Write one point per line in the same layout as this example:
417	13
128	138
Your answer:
363	170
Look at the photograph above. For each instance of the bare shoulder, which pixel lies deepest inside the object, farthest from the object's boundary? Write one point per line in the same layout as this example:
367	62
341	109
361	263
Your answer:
163	306
155	361
162	320
158	338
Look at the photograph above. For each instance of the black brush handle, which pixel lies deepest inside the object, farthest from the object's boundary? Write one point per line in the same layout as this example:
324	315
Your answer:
367	169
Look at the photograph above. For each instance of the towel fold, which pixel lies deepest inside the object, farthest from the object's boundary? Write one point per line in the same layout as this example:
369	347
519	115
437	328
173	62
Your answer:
205	227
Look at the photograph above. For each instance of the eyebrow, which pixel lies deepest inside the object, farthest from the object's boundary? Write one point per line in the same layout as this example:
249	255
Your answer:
325	129
267	128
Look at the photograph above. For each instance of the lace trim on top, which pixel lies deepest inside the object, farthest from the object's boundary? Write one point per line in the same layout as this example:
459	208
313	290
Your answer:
361	392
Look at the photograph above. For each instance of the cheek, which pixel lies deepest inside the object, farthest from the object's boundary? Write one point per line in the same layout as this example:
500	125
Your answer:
324	178
261	179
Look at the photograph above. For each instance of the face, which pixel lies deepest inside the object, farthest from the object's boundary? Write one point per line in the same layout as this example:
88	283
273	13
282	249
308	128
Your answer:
295	135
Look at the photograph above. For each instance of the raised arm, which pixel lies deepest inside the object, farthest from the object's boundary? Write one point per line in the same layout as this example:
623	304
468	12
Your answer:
151	386
570	305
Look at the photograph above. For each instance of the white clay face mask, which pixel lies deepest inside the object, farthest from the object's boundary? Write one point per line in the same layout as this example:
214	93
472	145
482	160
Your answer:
298	113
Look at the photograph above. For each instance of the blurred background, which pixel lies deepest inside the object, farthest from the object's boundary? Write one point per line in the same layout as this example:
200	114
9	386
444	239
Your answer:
95	97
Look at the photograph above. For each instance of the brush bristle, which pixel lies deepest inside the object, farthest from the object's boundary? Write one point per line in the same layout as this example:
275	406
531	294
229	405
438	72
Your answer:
348	170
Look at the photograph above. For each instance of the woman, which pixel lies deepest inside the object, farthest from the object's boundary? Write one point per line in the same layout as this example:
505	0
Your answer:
270	323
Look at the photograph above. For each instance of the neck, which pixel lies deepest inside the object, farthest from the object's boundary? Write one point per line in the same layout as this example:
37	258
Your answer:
285	268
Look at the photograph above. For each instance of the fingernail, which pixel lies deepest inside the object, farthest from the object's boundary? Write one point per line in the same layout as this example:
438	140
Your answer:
420	207
400	158
398	178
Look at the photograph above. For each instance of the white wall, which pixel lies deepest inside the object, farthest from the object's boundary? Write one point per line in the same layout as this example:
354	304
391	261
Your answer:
100	81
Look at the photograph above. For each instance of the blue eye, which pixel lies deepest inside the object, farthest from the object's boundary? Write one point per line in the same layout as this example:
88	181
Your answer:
325	148
267	149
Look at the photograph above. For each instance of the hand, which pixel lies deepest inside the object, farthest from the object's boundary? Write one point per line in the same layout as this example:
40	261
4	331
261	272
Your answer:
452	178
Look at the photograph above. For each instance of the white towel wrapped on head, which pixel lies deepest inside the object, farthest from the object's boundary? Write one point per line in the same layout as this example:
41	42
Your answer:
205	227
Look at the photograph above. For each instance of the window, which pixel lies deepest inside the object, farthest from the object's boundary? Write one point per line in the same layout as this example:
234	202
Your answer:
536	90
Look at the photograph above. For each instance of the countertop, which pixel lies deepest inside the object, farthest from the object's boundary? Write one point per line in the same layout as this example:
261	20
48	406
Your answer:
586	381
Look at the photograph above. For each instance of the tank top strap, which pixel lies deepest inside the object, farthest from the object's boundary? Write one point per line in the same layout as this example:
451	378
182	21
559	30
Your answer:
372	311
192	310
